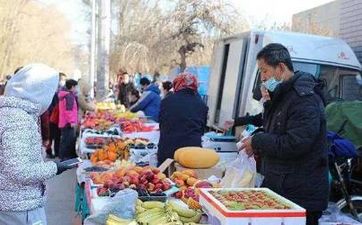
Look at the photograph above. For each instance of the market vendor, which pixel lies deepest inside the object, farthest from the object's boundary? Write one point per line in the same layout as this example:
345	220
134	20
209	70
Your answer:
293	147
23	172
150	101
182	118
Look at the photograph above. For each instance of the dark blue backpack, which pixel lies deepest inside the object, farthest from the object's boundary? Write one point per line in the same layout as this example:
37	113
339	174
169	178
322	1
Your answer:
339	146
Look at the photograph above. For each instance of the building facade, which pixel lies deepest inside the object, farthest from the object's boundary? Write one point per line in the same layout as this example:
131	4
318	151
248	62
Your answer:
339	18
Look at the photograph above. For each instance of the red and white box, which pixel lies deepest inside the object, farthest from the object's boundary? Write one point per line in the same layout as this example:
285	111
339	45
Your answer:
219	214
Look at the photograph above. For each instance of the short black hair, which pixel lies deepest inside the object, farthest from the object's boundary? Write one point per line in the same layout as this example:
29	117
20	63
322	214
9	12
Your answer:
145	81
62	74
276	53
70	83
167	85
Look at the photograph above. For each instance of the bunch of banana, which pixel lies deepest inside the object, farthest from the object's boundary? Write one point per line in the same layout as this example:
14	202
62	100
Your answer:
186	215
114	220
172	213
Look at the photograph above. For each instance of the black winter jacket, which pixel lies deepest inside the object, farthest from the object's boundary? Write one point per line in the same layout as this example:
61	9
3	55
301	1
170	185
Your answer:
182	121
293	147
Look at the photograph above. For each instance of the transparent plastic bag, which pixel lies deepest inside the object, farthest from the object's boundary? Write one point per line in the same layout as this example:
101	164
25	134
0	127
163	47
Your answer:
241	173
334	216
122	205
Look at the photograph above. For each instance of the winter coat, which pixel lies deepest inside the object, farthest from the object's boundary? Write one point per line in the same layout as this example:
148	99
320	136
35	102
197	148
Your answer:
124	90
23	171
84	104
68	109
149	102
293	147
183	119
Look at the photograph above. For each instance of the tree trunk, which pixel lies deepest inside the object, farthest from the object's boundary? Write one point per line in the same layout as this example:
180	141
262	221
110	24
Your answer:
183	60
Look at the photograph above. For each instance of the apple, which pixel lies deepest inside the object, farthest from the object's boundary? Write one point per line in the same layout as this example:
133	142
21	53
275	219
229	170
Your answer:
178	195
156	180
155	170
158	186
165	185
151	187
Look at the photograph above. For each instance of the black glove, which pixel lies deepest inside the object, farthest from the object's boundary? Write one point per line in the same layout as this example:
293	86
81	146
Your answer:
61	167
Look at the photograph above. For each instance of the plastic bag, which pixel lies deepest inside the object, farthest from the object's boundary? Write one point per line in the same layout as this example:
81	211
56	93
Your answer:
241	173
122	205
334	216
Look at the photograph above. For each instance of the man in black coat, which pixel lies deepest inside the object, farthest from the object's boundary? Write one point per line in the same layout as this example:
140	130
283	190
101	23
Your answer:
183	118
293	147
125	88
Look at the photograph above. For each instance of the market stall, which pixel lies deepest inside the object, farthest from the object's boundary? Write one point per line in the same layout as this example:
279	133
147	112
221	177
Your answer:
119	183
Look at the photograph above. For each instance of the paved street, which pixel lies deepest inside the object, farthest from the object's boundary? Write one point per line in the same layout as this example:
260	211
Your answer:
60	204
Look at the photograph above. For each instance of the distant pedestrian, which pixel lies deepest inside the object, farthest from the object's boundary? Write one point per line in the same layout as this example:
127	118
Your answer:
166	89
68	119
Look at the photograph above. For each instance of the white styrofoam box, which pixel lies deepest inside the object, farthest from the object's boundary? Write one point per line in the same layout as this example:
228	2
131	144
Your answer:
218	214
144	155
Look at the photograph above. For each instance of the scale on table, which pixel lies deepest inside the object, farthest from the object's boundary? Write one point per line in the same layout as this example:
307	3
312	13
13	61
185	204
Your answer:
219	142
224	145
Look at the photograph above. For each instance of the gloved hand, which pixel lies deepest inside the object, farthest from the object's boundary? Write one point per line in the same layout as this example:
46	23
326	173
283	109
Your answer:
61	167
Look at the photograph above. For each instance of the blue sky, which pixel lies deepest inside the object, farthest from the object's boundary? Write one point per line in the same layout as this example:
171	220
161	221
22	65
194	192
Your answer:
256	12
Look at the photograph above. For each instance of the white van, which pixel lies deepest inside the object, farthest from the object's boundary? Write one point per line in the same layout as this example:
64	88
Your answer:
234	78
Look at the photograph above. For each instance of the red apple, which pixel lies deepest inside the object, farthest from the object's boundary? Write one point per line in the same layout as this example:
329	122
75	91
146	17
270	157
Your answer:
151	187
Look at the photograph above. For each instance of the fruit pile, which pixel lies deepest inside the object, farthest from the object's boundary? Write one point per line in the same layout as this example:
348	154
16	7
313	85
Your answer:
96	142
103	120
245	200
130	126
148	179
172	213
117	149
189	186
139	143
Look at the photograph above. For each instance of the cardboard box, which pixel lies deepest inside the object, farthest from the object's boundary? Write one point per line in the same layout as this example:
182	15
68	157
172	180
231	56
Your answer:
204	173
218	214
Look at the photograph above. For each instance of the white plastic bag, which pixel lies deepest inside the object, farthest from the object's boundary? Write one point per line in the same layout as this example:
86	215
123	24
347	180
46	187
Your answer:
123	205
241	173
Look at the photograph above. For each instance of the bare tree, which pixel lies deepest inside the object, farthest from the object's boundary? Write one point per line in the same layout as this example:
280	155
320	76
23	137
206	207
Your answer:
152	37
33	32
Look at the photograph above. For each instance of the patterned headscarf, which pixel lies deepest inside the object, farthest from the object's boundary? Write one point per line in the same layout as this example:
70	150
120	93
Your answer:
185	80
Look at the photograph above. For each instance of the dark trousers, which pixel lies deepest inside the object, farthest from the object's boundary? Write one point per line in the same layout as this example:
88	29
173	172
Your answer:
313	217
54	138
67	143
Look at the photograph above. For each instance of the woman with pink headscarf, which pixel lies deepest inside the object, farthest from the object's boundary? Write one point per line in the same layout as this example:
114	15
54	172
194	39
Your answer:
183	117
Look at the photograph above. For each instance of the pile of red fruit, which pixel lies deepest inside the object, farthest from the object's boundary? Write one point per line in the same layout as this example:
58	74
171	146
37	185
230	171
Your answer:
147	178
130	126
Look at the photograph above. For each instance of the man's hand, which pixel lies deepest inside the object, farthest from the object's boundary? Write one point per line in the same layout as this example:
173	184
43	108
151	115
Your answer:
264	93
228	124
246	146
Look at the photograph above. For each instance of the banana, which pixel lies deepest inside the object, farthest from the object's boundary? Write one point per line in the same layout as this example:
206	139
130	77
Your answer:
153	204
140	209
152	217
182	211
194	219
158	221
149	212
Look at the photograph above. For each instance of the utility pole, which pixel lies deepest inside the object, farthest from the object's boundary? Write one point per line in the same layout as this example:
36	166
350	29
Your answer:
103	47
